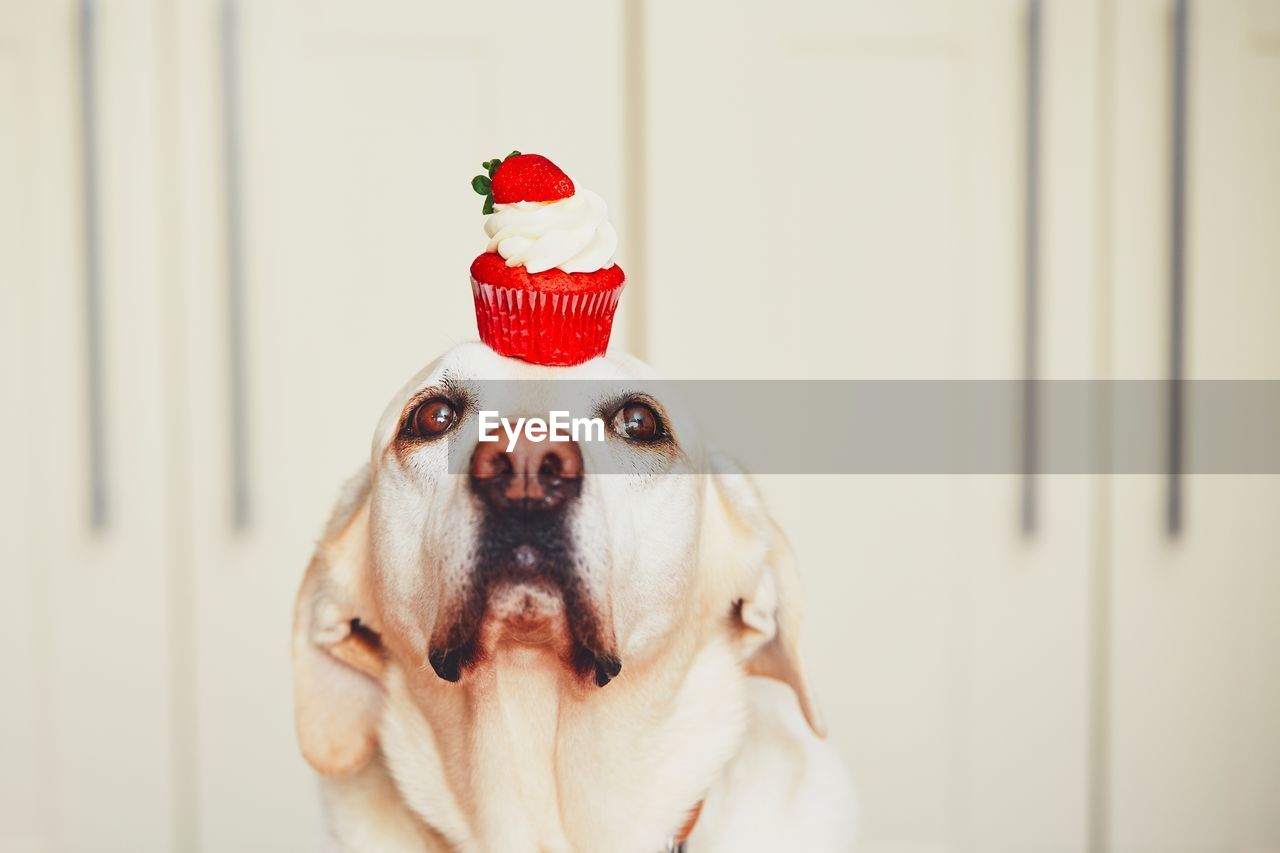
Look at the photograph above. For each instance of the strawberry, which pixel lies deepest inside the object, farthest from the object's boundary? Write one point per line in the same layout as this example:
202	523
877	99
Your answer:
521	177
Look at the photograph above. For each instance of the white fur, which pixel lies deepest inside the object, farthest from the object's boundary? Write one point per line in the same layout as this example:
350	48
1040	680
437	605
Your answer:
520	756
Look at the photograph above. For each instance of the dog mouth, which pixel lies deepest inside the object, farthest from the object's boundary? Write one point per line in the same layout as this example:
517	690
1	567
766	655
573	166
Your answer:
523	592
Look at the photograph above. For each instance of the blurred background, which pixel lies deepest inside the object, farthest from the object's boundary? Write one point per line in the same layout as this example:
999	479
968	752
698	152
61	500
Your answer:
231	229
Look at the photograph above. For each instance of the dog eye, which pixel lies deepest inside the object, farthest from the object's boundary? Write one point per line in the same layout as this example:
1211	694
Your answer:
432	418
638	422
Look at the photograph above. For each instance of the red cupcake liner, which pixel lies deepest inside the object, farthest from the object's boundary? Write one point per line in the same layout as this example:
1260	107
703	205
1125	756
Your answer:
559	329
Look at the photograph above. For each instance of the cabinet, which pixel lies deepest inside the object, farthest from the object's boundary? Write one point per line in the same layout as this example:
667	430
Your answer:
355	130
837	192
1194	686
88	722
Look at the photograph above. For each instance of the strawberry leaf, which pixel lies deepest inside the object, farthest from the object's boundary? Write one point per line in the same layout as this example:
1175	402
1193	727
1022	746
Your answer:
483	184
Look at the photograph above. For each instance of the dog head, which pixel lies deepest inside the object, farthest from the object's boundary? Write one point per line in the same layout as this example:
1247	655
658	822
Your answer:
588	556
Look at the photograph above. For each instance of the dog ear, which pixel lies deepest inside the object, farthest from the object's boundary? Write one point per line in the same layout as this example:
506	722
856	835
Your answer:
753	551
337	656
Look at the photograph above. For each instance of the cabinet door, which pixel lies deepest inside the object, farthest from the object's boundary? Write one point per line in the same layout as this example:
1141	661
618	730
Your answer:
360	128
88	729
26	742
836	191
1195	685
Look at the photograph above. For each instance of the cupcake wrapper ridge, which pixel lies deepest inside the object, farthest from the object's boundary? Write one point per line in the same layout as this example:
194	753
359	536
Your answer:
558	329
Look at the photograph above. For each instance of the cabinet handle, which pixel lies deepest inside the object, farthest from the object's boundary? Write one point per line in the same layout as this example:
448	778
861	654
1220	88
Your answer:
1177	269
241	479
1031	269
96	420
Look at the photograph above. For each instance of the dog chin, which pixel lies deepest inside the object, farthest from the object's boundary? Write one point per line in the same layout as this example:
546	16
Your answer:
525	613
524	620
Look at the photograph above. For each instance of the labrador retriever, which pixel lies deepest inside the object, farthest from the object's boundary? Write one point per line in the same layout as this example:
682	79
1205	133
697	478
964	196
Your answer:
557	646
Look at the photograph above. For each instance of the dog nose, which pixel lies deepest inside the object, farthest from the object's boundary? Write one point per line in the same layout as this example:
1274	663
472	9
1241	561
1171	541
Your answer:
532	476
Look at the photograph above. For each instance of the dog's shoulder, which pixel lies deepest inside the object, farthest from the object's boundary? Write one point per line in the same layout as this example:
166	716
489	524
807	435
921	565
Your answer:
365	812
785	789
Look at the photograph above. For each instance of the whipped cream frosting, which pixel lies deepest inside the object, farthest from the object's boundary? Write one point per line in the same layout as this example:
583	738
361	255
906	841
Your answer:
571	234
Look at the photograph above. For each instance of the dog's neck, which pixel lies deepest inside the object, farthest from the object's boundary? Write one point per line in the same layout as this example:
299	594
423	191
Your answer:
509	759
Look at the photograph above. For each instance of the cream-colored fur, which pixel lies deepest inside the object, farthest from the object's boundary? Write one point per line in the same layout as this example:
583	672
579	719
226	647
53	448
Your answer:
696	585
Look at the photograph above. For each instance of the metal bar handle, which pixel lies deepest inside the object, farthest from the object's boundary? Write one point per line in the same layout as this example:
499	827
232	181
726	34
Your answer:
1031	270
241	474
96	416
1177	269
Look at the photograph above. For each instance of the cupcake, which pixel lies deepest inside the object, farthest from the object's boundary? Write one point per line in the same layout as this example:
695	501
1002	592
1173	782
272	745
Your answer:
546	286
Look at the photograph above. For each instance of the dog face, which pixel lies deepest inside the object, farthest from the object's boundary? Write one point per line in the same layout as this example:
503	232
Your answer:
589	557
583	548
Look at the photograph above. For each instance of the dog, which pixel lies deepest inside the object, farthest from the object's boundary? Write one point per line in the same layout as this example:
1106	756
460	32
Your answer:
557	646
